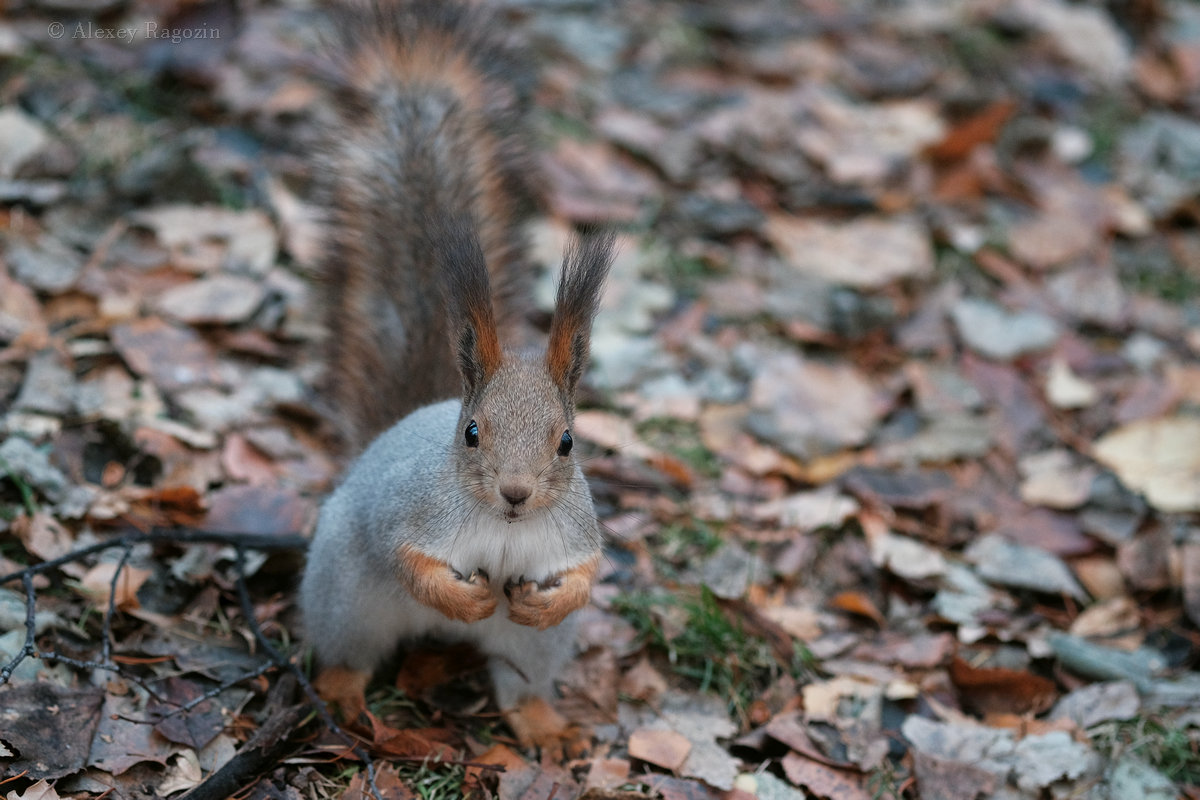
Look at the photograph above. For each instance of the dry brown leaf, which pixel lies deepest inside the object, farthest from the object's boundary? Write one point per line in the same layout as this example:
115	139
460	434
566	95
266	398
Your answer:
1158	457
607	773
858	603
823	780
410	742
1108	618
801	623
662	748
643	682
980	128
173	357
391	786
867	253
499	755
42	790
43	536
244	462
988	689
97	584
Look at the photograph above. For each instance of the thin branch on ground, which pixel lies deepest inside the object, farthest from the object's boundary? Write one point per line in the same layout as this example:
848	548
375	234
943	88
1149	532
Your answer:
310	692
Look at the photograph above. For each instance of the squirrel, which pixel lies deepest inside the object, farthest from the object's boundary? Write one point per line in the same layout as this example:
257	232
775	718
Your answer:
468	518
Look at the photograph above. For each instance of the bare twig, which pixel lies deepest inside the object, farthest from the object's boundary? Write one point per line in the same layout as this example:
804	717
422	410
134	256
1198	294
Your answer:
126	541
106	636
241	543
315	699
251	541
29	648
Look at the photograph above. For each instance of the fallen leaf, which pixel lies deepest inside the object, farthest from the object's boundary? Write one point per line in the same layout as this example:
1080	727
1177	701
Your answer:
1157	457
41	790
980	128
172	357
823	780
808	511
643	682
260	511
43	536
1022	566
1052	478
1043	759
607	773
905	489
244	462
183	772
1098	702
97	583
946	779
1109	618
50	728
990	689
663	748
866	253
1145	560
217	300
858	603
391	786
118	746
1000	334
193	728
207	238
907	557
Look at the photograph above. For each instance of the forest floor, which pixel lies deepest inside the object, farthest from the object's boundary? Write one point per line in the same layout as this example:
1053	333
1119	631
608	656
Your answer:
893	418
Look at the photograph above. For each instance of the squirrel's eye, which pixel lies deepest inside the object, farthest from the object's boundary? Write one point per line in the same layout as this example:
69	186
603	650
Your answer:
564	444
472	434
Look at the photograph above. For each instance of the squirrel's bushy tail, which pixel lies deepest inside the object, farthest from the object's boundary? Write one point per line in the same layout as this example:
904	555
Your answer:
431	105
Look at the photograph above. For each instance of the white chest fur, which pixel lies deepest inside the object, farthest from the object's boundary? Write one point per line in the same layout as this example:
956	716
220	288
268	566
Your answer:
535	548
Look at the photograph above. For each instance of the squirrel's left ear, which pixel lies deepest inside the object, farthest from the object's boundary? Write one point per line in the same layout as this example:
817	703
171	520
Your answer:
585	267
469	302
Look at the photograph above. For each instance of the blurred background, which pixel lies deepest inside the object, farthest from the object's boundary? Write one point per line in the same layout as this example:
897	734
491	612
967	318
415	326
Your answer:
893	417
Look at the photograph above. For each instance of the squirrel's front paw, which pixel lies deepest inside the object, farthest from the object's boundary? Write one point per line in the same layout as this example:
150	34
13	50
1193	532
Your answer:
467	597
436	584
542	606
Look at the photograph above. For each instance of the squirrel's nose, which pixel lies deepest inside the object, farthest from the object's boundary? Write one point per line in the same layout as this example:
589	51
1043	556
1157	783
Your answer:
516	493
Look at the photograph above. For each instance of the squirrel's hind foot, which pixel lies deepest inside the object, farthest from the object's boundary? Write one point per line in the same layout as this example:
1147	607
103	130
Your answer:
344	688
537	724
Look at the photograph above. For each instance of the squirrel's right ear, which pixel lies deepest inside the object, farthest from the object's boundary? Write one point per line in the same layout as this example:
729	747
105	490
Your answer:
469	301
585	267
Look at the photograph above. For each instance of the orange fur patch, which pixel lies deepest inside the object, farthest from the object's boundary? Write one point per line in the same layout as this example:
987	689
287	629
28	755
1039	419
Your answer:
538	724
432	582
344	688
545	608
487	340
561	346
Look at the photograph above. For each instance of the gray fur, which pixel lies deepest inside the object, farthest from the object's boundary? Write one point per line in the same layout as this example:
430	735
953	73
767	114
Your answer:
411	487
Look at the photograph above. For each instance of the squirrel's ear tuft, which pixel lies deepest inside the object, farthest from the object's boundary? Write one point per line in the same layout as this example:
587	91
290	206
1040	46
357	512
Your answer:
585	267
468	300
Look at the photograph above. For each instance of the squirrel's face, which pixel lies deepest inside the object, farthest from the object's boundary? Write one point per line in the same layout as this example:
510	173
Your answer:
513	449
